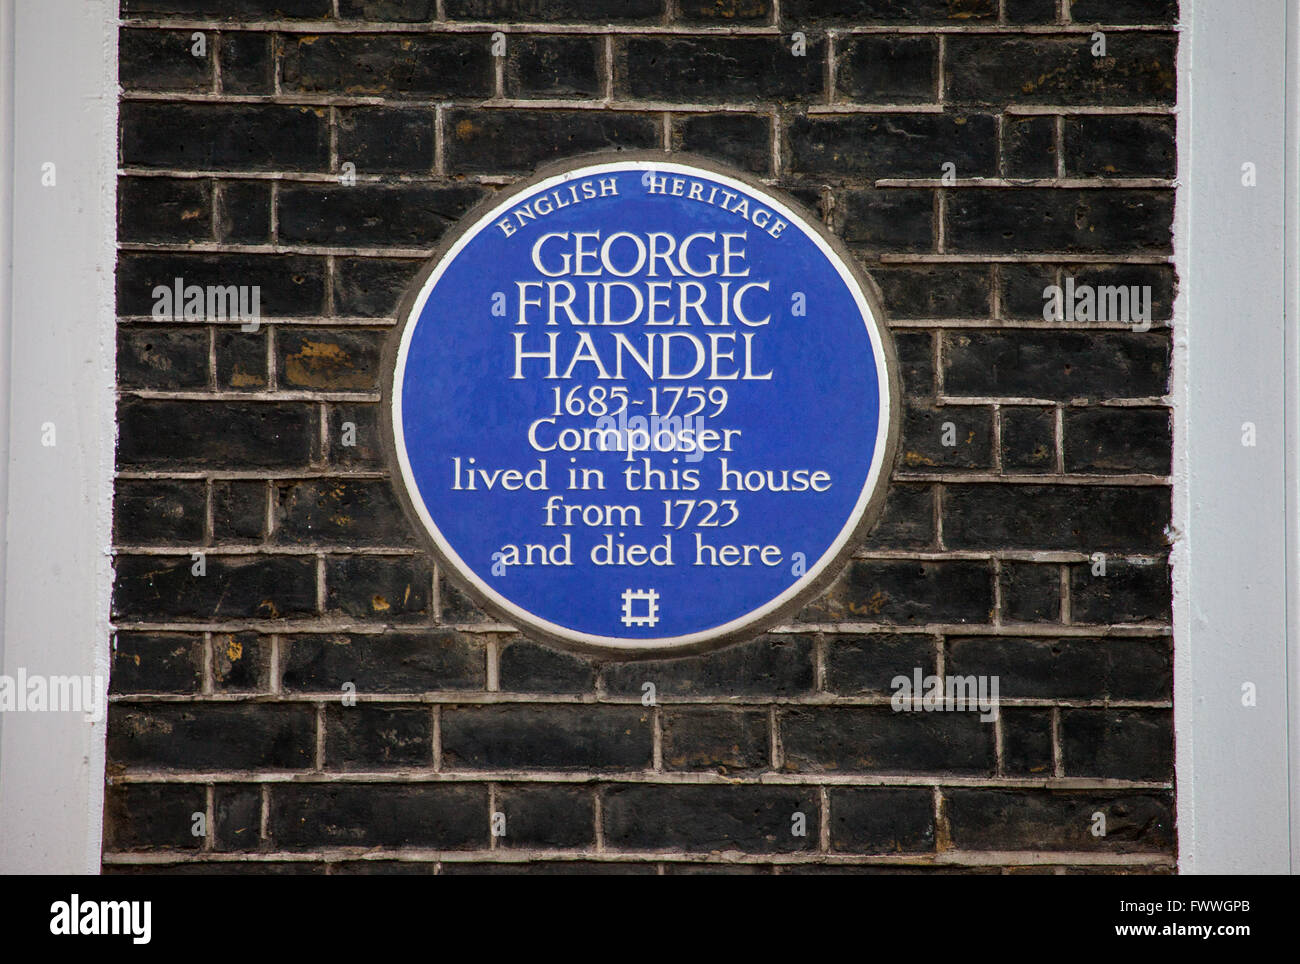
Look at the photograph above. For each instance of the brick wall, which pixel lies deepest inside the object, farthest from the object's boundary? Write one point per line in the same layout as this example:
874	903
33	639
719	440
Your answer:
227	685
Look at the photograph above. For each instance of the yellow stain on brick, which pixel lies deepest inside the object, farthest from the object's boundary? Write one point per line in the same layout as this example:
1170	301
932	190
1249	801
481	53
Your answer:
466	129
379	604
235	649
319	364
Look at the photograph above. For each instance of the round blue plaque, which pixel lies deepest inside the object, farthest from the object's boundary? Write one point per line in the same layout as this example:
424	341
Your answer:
641	404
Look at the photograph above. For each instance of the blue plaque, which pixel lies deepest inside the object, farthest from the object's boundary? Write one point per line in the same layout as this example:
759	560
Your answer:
641	404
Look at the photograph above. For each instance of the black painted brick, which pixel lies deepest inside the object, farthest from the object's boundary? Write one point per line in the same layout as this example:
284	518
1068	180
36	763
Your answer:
1117	668
159	512
403	662
1119	744
876	739
1129	592
387	588
888	70
704	818
233	137
546	737
528	667
773	665
156	663
1059	820
546	817
857	665
568	66
377	736
236	736
1080	518
396	65
907	593
711	70
437	817
715	739
234	587
1031	593
884	821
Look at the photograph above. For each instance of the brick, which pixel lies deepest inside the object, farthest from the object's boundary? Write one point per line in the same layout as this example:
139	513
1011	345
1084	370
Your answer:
1119	668
229	9
238	511
247	63
241	359
1028	439
224	137
236	736
1021	288
1056	365
715	739
914	351
880	69
712	70
860	665
208	868
1127	146
1027	741
237	809
354	435
893	145
338	512
1030	11
907	519
1118	744
724	11
241	662
219	434
457	607
933	290
387	588
1029	146
386	140
877	739
542	816
500	141
906	593
329	359
886	219
754	819
1160	278
164	209
565	868
402	11
162	60
437	817
1124	11
1080	518
957	12
447	65
234	587
371	287
883	821
744	140
1023	220
1059	820
377	736
1031	593
926	432
408	215
149	356
1118	440
410	662
156	663
773	665
546	737
145	816
550	11
1127	593
290	285
528	667
1138	69
554	67
159	512
244	212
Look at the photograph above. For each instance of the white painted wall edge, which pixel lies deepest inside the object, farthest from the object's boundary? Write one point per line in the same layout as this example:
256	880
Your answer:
1231	557
62	323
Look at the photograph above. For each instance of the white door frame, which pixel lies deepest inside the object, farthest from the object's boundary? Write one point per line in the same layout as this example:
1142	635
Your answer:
58	59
